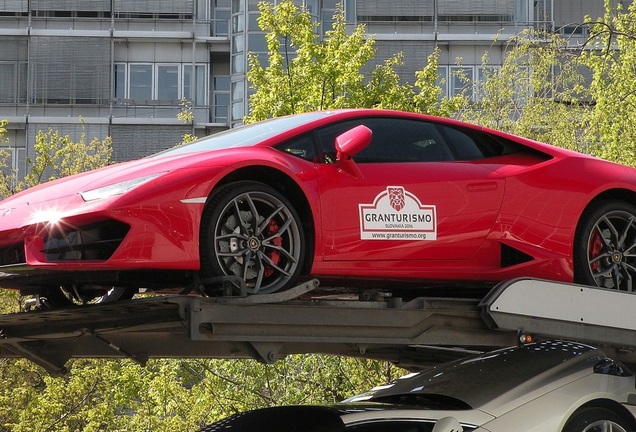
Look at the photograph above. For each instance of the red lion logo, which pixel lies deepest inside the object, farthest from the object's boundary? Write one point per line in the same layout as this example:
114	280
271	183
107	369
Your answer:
396	197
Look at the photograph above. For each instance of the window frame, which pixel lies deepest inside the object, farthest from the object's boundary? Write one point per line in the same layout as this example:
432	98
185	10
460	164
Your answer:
13	89
129	86
178	85
198	84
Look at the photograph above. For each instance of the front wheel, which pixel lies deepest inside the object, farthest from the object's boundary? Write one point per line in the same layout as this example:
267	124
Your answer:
596	420
252	232
605	247
62	296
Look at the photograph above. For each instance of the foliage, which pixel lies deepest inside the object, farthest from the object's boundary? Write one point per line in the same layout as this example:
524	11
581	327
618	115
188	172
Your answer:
7	174
611	55
385	89
304	73
59	156
55	156
171	395
186	116
430	97
538	92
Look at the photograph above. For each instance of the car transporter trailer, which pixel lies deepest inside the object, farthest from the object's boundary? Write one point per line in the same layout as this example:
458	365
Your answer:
414	334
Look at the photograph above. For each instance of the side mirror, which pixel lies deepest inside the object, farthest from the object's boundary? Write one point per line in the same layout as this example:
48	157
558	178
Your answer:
448	424
352	142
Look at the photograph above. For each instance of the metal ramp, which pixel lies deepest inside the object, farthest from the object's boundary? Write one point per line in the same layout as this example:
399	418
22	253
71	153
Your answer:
414	334
601	317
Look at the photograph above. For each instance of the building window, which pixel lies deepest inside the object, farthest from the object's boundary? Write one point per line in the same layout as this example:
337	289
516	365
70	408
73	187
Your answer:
238	98
238	64
221	94
221	23
313	7
194	88
141	81
120	81
350	11
476	18
8	82
166	82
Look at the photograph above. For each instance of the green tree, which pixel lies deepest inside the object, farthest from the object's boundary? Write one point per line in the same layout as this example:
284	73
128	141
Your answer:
611	55
172	395
186	116
304	73
7	174
58	155
385	89
538	92
55	156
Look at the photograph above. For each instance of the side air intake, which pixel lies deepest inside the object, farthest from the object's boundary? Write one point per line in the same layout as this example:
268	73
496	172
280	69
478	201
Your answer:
511	256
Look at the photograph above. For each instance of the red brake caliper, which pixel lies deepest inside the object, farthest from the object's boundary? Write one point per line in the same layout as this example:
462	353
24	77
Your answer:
595	250
274	255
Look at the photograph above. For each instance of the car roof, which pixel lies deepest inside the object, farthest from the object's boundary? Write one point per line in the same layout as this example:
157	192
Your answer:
477	380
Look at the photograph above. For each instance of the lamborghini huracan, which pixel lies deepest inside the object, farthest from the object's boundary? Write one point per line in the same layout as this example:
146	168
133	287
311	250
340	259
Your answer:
349	196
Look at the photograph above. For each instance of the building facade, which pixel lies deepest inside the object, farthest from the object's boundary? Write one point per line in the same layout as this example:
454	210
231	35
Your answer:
120	68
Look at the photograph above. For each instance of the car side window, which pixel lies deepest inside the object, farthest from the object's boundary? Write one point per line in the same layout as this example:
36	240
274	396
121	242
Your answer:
302	147
394	140
463	145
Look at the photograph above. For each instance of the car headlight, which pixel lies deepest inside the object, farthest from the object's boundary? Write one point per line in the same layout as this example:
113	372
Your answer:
117	188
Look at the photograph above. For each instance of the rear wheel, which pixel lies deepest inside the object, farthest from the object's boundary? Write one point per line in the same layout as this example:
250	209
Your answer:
605	247
250	231
596	420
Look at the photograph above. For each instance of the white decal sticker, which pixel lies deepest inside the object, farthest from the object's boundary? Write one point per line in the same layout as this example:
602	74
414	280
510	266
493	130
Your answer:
397	214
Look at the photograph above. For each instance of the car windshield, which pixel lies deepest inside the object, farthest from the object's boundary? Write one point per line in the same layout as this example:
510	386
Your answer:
245	136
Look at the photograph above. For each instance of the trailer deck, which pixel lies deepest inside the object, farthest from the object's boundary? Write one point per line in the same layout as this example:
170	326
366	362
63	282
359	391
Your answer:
415	334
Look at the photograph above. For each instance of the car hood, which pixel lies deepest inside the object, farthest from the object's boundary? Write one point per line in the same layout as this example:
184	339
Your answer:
72	185
503	375
282	419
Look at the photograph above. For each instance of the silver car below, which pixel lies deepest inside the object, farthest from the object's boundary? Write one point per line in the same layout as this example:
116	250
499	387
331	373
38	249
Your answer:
540	387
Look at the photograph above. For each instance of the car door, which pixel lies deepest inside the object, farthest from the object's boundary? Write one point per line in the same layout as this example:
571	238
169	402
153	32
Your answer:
409	198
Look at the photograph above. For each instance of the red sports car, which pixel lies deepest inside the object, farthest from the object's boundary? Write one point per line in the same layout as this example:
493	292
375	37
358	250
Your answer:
345	196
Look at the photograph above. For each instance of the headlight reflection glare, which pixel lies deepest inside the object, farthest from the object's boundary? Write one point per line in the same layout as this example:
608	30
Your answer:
117	188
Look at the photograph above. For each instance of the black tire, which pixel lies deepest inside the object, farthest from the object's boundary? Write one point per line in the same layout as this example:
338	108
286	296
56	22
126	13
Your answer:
605	246
251	231
596	420
114	294
62	296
